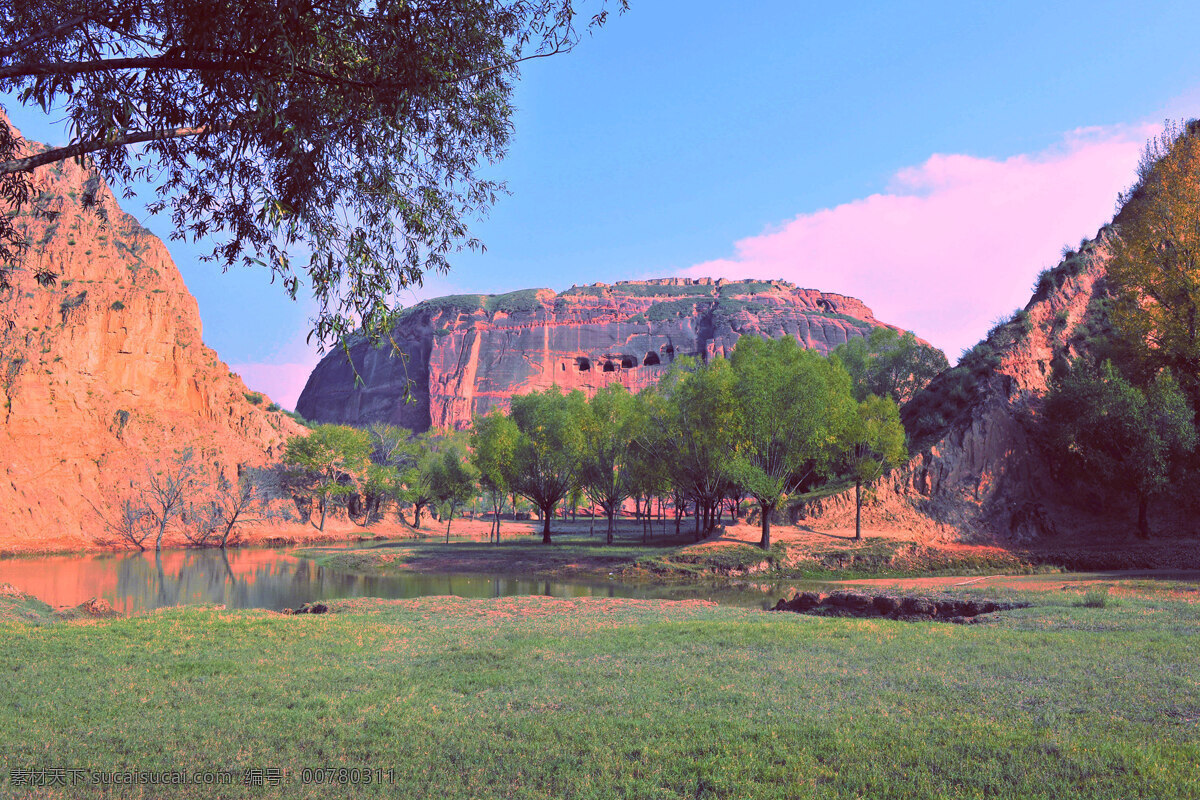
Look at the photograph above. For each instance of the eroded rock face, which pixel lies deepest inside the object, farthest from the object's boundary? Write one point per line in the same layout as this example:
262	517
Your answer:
104	370
979	469
468	354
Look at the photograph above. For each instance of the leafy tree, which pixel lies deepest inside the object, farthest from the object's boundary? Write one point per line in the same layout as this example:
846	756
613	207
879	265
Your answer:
452	478
493	451
351	132
888	364
1154	270
700	429
793	406
611	423
418	481
1107	431
327	464
547	454
395	455
873	444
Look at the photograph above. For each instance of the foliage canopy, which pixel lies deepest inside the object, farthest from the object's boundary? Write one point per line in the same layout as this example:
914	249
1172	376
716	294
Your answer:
350	133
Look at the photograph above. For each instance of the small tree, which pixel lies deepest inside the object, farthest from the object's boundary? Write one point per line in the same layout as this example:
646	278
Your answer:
452	478
493	452
888	364
233	504
611	423
129	525
547	452
792	405
872	444
1106	431
327	464
168	492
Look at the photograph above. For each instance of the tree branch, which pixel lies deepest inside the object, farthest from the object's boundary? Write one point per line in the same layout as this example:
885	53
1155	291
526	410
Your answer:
13	71
82	148
37	37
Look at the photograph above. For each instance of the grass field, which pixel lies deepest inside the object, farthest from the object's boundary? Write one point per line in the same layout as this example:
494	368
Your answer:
552	698
797	554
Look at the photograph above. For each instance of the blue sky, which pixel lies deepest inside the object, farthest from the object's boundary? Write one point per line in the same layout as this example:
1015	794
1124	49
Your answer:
928	158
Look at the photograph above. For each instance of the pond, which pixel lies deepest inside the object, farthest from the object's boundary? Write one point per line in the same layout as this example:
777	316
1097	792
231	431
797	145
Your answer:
261	577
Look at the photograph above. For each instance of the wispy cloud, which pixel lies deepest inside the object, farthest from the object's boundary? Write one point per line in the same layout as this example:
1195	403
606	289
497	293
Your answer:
955	242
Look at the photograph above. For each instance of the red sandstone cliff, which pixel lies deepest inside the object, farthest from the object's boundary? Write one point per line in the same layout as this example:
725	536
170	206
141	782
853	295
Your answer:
467	354
104	369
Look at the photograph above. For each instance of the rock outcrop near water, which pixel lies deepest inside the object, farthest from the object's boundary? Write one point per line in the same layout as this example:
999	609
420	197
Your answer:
467	354
103	370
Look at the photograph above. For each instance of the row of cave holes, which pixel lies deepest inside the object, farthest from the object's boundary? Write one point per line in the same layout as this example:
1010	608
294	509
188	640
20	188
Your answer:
584	364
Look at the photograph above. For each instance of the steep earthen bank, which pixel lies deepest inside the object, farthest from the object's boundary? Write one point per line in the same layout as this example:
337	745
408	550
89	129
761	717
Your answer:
464	355
979	468
103	370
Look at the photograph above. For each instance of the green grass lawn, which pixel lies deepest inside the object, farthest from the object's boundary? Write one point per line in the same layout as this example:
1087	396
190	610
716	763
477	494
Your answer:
554	698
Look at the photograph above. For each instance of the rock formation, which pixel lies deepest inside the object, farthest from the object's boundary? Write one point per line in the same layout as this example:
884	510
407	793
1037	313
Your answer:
464	355
978	468
102	369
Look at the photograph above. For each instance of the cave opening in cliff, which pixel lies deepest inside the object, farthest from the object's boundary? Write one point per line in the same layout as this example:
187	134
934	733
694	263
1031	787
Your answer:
669	350
609	366
585	364
628	362
651	359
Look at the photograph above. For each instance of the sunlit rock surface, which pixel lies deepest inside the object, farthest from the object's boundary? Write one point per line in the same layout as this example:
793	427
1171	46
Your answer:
103	369
462	356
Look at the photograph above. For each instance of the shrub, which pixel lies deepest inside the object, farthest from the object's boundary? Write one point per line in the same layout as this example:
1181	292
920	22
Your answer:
522	300
117	306
1096	597
274	407
255	398
72	302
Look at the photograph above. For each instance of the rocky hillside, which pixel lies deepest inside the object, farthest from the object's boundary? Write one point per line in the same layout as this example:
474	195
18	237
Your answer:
978	468
103	370
467	354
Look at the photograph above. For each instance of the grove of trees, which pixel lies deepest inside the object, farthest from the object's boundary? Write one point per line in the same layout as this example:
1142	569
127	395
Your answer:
1122	417
770	423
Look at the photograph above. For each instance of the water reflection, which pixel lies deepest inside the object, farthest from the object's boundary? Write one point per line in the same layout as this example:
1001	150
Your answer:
275	579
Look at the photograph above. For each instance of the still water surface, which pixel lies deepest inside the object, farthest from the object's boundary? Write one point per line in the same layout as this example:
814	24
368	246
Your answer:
260	577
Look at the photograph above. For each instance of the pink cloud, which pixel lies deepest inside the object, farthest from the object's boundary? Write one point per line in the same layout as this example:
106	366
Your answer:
954	243
280	382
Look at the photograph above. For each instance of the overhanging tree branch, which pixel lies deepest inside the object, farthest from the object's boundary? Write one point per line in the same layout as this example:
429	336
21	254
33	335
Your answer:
31	163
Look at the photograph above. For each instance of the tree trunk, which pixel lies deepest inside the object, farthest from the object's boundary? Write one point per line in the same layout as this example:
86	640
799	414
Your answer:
1143	524
765	542
697	509
546	524
857	510
608	512
449	517
417	516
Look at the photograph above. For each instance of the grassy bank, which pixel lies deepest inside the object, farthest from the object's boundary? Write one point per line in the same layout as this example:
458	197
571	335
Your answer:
797	554
550	698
